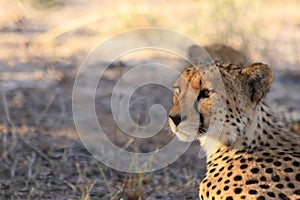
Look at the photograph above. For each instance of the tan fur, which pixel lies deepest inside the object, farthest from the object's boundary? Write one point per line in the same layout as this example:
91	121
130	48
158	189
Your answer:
254	156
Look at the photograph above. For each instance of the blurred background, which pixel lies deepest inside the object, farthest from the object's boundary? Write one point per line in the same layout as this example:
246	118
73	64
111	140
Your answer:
43	43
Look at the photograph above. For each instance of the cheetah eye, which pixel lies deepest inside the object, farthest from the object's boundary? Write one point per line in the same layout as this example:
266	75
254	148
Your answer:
205	93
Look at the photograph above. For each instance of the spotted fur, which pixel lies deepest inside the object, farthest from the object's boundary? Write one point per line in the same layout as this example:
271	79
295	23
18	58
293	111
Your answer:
255	155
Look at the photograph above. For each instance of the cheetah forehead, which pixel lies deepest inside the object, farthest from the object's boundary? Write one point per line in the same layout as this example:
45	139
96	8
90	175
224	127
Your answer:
212	69
228	72
210	75
193	76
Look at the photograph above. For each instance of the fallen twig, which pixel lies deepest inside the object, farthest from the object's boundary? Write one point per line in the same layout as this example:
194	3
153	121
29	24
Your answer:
44	156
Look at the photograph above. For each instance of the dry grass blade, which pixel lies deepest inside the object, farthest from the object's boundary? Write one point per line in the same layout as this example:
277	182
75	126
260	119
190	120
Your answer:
73	187
13	169
6	110
104	177
30	167
87	191
5	146
63	109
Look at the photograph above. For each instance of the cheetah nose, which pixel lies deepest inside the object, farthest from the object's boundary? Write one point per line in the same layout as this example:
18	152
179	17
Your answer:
177	119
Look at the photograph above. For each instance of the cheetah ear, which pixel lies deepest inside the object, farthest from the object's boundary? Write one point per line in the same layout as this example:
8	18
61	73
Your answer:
258	79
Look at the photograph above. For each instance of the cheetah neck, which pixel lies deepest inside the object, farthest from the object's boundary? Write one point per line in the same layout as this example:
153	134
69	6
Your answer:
265	130
262	131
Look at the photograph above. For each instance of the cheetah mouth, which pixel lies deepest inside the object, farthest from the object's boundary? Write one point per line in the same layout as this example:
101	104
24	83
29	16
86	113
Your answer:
185	136
201	128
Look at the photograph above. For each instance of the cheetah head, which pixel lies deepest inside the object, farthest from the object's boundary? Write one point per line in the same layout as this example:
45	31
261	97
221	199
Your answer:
198	99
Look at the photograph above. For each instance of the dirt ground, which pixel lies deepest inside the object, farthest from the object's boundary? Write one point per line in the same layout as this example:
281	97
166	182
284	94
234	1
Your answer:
42	47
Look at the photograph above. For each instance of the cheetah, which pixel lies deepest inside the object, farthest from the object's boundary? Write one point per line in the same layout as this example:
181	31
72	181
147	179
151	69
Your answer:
254	155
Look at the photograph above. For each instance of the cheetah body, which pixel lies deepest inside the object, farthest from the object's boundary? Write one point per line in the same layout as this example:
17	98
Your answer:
254	155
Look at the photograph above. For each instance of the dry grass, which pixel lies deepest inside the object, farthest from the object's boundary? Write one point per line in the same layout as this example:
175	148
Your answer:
41	156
